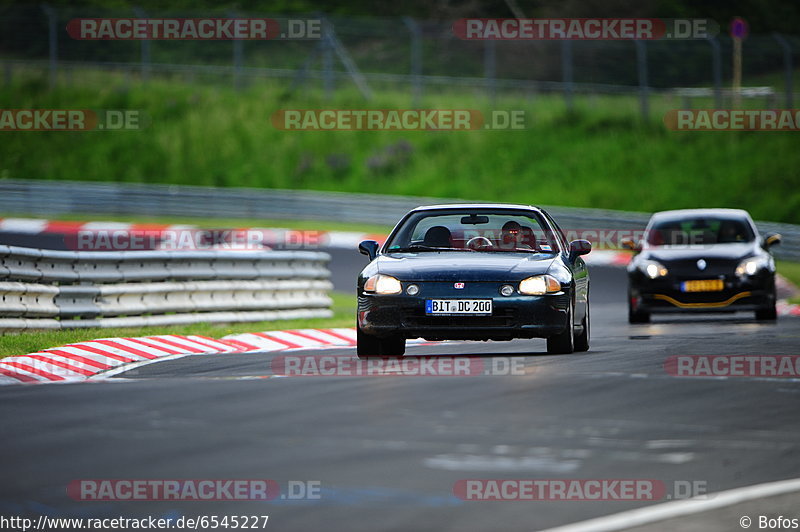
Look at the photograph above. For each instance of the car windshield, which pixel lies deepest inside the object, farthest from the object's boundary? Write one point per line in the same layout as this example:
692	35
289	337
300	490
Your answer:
474	230
699	231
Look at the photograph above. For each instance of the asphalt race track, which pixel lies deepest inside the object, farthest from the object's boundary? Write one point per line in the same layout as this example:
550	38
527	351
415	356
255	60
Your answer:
387	450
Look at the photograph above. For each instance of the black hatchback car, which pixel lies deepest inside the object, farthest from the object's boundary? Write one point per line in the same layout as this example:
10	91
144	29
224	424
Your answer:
702	260
473	272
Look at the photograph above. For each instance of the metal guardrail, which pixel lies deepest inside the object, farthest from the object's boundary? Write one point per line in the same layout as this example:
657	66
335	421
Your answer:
51	198
44	289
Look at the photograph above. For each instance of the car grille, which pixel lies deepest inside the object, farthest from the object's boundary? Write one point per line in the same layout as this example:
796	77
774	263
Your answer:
687	269
501	318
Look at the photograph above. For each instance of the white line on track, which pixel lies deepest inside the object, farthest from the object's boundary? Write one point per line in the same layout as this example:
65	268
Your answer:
672	509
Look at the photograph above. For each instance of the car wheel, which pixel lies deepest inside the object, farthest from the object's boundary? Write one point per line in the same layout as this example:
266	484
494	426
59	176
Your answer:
767	313
371	346
582	340
394	346
636	316
563	343
366	345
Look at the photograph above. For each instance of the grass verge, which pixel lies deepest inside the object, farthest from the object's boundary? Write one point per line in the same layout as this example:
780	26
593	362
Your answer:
790	270
344	308
601	154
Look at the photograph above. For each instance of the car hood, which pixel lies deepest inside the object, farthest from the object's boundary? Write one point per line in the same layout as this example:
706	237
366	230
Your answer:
463	266
716	251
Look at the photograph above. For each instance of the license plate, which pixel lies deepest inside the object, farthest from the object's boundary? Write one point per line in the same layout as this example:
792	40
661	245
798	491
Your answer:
705	285
460	307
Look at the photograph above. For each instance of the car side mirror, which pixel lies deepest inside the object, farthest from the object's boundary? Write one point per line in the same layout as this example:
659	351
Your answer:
630	245
369	248
579	247
772	239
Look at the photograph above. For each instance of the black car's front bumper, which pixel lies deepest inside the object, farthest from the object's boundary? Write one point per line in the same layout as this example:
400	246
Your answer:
665	295
515	316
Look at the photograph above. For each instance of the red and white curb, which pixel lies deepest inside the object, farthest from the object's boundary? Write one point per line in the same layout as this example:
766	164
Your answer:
83	360
295	339
785	308
261	236
110	356
266	236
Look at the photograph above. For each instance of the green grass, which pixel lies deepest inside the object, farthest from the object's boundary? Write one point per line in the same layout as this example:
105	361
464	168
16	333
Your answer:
344	308
790	270
601	155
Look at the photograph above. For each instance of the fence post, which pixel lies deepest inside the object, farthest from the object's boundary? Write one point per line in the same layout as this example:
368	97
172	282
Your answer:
238	52
641	67
787	65
490	68
567	73
327	59
145	47
716	67
416	60
52	26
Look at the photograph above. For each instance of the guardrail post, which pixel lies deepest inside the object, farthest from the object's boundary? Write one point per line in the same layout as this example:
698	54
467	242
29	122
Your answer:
145	47
716	67
787	66
567	73
52	40
490	68
416	60
641	68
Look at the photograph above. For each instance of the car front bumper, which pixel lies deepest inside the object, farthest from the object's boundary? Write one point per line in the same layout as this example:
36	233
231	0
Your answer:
515	316
665	295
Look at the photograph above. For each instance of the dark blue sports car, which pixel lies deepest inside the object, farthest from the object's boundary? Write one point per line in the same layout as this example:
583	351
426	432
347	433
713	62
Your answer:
474	272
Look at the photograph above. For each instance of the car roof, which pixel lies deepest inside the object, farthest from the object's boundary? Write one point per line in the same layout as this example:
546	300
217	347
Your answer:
710	213
463	206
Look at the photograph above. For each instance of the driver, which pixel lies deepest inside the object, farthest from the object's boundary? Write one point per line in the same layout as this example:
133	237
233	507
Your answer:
729	232
512	236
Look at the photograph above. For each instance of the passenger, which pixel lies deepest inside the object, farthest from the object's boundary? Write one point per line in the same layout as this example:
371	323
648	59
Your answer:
437	236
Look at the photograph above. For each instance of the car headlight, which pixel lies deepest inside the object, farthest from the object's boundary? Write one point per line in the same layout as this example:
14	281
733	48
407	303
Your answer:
383	284
653	269
539	285
752	265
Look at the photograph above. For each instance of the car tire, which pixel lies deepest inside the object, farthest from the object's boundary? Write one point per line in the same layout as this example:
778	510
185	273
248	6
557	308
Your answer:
581	341
767	314
394	346
366	345
636	316
371	346
564	342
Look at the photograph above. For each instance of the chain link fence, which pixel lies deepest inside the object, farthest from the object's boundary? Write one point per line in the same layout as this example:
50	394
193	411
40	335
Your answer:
419	57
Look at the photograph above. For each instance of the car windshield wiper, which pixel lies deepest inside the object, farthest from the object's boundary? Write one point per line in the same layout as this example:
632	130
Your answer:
423	247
